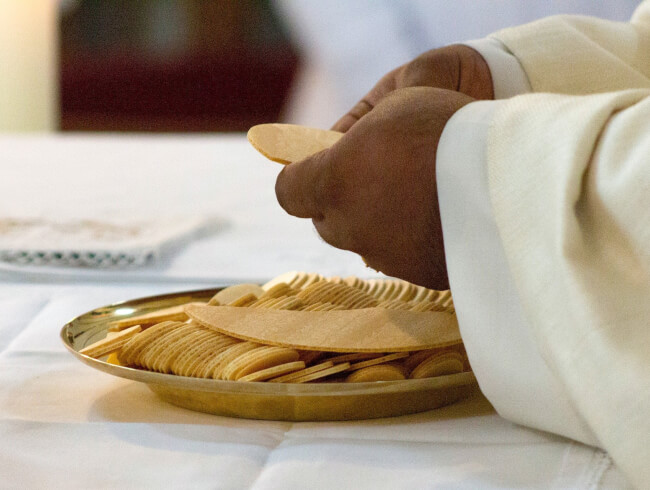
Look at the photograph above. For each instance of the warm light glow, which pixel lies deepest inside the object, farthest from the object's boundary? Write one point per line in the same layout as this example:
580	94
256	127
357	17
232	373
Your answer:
123	311
28	65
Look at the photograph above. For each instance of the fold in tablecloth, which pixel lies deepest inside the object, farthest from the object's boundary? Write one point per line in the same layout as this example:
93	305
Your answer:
65	425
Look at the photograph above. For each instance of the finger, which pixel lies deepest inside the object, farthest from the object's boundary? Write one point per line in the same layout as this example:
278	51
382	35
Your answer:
335	230
302	187
385	86
362	108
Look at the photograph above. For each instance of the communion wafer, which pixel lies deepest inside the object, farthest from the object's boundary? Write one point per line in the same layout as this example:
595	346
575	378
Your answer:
110	344
331	321
378	360
232	293
408	291
380	372
323	373
266	302
363	302
287	378
185	349
438	365
199	368
203	347
151	356
163	364
173	346
423	306
295	280
210	365
336	293
173	313
355	356
273	371
289	303
335	330
354	282
288	143
416	358
316	292
112	359
232	353
394	304
258	359
244	300
421	293
279	289
311	356
286	278
322	307
387	291
372	285
310	279
132	348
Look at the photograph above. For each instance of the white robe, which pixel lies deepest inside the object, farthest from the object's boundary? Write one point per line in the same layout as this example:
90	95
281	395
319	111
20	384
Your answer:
546	220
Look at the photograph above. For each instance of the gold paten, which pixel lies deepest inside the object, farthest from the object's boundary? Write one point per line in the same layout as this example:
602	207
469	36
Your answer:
260	400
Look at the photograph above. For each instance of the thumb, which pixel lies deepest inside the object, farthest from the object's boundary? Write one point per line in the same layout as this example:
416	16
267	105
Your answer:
303	188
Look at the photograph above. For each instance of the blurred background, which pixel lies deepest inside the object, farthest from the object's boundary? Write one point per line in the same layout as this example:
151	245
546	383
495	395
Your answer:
225	65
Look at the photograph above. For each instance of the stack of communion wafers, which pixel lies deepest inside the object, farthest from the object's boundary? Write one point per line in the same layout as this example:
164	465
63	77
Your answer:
297	328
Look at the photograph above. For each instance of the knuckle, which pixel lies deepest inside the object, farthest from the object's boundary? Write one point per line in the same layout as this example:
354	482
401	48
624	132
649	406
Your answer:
336	233
435	68
282	189
330	187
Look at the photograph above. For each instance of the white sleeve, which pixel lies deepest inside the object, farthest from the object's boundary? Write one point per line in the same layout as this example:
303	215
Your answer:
544	209
508	76
579	55
499	343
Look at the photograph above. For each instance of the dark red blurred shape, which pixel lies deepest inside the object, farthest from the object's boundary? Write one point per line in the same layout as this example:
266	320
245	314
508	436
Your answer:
197	92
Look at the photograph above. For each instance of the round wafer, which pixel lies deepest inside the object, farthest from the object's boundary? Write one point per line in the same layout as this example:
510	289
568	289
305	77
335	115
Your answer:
212	347
286	278
232	293
323	373
257	359
439	364
380	372
136	343
232	353
244	300
416	358
276	291
310	279
186	349
378	360
271	372
354	356
203	367
303	372
151	356
288	143
176	346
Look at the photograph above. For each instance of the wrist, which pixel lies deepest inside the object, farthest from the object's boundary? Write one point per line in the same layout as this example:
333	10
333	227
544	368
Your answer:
507	76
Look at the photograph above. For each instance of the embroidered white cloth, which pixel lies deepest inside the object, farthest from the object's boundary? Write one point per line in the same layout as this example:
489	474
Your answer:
106	243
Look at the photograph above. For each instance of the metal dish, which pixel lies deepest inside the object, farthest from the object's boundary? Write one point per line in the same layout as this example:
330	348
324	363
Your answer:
270	401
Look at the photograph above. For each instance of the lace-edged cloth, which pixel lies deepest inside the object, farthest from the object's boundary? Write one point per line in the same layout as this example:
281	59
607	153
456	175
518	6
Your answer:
93	242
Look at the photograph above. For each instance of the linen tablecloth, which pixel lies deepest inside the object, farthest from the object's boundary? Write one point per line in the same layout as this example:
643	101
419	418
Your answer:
65	425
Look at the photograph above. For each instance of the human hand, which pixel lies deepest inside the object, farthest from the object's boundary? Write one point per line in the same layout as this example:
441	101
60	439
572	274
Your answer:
456	67
374	191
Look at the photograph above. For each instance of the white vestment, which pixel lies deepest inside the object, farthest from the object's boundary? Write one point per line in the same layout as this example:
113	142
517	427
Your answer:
546	221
